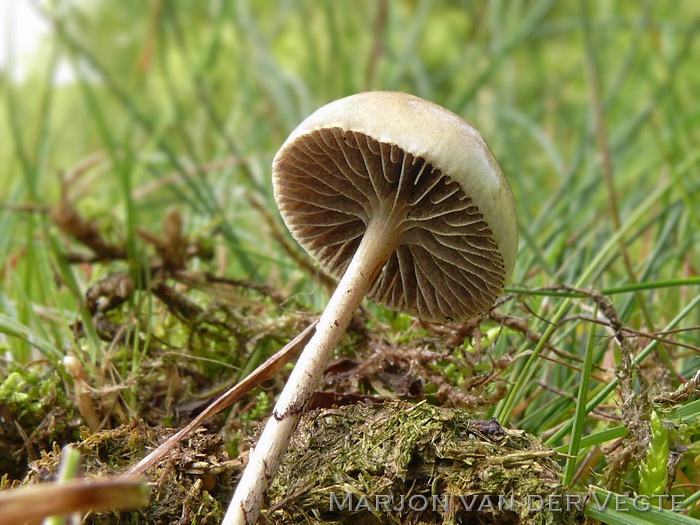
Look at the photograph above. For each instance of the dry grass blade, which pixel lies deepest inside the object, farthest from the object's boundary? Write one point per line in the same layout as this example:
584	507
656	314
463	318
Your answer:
32	504
233	394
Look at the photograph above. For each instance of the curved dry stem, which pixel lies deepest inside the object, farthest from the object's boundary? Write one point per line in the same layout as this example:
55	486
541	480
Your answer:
378	243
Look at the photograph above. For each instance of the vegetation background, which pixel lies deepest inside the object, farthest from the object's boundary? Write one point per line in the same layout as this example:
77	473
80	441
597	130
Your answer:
153	159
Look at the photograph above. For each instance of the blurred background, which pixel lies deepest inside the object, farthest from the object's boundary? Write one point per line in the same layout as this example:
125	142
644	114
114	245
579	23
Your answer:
129	127
179	103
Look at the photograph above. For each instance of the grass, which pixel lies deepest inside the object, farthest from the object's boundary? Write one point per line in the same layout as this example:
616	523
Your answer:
164	138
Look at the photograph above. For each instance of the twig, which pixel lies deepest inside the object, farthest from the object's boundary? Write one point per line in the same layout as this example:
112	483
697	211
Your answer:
181	176
33	503
260	374
302	260
378	45
208	282
608	176
637	333
568	395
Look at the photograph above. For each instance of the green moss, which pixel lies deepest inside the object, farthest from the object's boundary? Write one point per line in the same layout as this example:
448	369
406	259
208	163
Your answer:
395	450
192	483
33	409
653	475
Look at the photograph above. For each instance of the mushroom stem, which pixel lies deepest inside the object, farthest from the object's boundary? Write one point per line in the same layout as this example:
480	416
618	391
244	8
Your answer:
379	241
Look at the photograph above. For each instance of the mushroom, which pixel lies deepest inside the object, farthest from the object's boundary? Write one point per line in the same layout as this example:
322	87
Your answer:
403	202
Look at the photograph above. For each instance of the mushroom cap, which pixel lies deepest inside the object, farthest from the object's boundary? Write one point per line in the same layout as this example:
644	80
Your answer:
389	154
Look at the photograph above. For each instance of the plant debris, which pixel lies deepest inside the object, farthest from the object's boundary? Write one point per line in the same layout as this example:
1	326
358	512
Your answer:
189	486
400	463
35	413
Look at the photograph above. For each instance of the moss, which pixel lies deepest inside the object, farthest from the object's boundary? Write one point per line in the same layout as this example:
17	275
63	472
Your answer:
35	414
191	485
367	457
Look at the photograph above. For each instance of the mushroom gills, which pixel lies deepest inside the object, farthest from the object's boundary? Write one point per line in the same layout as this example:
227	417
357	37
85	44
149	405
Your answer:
332	183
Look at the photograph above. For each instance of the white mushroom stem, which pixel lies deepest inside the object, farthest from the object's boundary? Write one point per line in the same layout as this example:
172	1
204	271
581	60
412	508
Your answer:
378	243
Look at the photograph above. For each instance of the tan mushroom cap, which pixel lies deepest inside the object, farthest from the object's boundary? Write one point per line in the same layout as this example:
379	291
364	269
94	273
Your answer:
396	157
